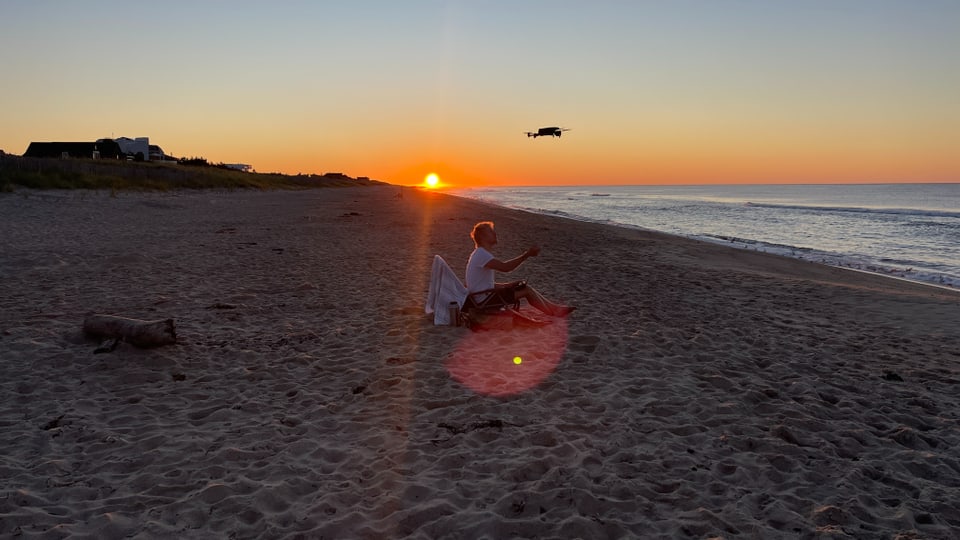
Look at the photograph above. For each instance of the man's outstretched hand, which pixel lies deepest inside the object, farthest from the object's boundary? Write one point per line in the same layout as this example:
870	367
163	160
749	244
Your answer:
533	252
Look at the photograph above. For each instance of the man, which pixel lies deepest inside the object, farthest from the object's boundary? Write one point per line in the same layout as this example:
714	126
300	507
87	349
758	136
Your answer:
482	266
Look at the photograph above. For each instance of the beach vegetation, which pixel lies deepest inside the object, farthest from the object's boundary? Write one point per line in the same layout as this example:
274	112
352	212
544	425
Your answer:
123	175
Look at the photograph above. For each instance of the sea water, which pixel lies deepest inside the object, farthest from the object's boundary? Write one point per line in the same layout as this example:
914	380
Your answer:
910	231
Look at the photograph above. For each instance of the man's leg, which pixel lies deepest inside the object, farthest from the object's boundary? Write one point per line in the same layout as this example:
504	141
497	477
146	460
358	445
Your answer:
538	301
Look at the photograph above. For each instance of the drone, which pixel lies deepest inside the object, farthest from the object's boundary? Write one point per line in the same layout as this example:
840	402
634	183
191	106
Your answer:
547	131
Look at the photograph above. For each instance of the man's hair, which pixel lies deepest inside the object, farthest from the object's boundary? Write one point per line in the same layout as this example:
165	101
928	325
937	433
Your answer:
483	225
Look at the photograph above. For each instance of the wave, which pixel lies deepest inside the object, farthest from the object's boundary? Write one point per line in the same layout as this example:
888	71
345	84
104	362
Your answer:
859	210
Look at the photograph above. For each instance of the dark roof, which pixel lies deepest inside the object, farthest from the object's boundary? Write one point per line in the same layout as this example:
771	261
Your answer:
107	149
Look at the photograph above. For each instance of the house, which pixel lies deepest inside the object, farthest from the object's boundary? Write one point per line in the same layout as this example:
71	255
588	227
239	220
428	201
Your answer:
103	148
138	149
157	154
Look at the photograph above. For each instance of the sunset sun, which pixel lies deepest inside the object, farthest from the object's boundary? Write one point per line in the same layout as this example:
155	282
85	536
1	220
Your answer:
432	180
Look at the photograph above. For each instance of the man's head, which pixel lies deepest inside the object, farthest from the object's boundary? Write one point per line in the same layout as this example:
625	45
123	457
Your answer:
483	234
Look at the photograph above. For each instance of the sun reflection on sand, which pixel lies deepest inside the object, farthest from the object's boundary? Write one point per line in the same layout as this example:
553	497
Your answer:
394	406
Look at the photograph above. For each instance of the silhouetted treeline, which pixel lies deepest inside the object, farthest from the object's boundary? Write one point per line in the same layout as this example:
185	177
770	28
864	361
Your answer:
194	162
202	162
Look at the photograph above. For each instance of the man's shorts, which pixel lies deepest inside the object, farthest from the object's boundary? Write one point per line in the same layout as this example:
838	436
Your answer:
507	294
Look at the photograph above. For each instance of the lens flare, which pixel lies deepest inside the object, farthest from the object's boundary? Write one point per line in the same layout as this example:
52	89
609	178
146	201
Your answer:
504	363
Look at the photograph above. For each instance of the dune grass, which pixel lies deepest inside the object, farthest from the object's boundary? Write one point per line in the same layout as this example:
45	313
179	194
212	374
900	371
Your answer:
40	173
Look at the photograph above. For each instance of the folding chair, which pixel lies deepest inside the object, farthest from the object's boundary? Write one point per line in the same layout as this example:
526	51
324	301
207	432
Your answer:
445	288
489	301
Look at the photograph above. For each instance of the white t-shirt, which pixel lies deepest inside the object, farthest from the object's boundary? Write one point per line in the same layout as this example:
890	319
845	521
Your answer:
478	277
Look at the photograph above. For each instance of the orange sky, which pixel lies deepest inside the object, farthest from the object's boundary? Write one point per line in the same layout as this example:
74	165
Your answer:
686	92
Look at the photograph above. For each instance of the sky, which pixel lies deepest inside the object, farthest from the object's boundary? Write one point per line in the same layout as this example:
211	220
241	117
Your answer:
653	92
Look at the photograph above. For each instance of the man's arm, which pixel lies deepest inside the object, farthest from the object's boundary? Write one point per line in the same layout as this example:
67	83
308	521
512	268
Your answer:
512	264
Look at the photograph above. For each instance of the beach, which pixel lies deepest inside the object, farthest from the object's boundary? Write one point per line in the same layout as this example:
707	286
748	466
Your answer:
699	391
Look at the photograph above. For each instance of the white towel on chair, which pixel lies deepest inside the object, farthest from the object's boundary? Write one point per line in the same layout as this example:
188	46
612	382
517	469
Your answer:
445	287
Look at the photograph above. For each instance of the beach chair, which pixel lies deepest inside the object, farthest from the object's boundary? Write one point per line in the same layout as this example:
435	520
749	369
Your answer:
488	301
446	288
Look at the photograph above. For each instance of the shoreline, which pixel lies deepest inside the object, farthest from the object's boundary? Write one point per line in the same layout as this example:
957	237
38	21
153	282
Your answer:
737	243
718	242
698	390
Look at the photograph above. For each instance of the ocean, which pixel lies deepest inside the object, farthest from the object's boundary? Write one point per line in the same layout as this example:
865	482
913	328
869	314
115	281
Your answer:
909	231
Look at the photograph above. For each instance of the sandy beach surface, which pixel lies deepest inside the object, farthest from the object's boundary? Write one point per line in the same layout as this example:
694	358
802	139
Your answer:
697	392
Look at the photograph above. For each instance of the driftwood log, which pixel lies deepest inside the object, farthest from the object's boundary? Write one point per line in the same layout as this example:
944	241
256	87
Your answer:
132	331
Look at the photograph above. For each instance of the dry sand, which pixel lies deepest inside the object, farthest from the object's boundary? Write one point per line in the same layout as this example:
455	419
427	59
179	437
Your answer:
698	391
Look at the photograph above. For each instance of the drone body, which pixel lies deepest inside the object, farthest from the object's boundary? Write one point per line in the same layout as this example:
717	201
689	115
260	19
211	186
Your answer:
547	131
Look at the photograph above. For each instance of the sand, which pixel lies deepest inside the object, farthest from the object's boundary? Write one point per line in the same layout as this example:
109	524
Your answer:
698	391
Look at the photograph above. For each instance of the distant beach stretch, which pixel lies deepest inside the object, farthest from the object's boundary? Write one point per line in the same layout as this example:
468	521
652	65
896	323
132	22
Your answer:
699	391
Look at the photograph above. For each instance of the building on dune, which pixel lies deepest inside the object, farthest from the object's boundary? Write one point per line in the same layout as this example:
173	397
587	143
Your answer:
242	167
101	149
157	154
138	149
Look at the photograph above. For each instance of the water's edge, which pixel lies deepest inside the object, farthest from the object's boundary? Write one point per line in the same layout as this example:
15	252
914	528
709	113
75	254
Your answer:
805	254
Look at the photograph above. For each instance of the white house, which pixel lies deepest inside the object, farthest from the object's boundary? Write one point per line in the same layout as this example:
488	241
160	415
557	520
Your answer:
132	147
